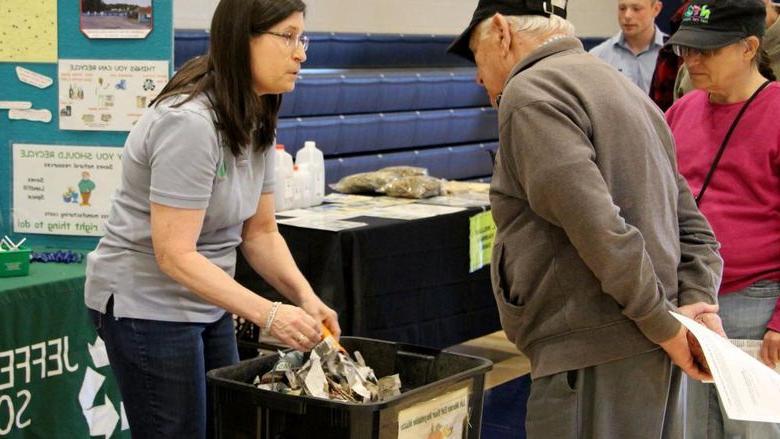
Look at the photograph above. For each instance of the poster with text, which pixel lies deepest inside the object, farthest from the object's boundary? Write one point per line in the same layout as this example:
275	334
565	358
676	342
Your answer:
445	416
116	18
64	190
100	95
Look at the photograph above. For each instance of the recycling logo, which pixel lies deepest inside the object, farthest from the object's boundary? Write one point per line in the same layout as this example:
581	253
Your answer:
101	418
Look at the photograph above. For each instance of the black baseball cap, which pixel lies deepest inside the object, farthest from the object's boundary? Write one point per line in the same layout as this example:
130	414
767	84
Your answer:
711	24
488	8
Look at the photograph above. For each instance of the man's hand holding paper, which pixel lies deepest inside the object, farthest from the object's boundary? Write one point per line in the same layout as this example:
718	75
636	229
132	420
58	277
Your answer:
747	388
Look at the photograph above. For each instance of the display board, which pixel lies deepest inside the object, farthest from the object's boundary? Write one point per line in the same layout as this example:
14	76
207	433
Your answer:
109	81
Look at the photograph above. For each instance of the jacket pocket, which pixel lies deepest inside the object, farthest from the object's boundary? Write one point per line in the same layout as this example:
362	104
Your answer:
510	310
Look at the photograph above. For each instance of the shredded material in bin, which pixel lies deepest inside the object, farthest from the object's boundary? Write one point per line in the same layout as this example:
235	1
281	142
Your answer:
329	373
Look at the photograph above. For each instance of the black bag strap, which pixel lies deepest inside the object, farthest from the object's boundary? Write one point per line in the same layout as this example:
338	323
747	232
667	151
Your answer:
725	143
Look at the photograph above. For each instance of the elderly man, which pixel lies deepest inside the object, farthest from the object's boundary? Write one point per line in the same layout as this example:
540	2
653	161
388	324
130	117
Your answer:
634	50
598	236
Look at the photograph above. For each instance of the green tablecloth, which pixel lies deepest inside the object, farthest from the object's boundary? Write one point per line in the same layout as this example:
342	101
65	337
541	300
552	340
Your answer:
53	382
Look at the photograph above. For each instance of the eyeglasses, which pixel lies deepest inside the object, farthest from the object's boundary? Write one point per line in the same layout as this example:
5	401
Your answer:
684	52
291	40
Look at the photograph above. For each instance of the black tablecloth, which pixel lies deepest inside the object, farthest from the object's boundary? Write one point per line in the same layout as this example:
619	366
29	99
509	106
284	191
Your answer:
405	281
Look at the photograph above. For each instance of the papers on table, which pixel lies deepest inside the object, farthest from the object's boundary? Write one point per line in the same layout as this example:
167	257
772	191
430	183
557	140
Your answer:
462	200
320	223
339	209
412	211
748	389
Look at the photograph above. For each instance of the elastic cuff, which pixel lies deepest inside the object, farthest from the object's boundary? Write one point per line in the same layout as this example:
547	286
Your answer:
689	297
658	325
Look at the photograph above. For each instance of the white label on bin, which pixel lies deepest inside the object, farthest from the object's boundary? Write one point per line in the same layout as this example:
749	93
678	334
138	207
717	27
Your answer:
13	266
443	416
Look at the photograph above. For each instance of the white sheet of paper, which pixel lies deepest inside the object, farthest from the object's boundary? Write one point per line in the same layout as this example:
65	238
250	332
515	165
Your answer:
323	211
413	211
33	78
335	197
748	389
313	222
15	105
478	200
31	115
752	348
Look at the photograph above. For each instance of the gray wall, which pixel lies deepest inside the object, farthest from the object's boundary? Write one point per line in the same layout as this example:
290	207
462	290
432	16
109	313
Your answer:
593	18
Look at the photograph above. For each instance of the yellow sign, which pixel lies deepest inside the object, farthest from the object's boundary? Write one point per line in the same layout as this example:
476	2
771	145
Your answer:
482	231
28	31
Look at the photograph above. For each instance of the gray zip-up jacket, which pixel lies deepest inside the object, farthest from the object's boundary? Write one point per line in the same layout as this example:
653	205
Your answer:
598	236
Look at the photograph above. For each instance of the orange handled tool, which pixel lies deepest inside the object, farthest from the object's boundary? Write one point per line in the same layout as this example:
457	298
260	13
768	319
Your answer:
326	333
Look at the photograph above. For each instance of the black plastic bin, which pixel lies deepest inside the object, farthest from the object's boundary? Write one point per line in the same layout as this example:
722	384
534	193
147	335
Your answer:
243	411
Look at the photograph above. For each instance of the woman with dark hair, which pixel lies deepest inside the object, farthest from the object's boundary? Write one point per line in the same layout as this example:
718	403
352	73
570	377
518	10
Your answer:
728	148
197	183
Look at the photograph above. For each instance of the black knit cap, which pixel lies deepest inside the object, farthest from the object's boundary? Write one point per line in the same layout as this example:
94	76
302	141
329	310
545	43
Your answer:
711	24
488	8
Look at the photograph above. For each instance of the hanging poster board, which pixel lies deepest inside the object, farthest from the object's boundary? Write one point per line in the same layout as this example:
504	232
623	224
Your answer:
104	95
64	190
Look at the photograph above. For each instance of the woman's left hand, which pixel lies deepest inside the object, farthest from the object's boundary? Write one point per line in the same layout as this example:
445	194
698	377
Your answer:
770	348
322	313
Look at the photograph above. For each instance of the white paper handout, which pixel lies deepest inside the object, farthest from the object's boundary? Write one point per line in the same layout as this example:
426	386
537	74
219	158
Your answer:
319	223
413	211
461	200
748	389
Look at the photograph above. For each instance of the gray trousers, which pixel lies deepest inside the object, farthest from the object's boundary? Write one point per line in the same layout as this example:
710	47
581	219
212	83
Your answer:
639	397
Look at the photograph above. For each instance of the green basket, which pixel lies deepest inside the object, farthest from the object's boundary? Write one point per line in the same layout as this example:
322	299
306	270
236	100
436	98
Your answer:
15	262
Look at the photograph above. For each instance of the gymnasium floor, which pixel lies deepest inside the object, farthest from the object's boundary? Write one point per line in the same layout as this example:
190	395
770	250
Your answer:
507	385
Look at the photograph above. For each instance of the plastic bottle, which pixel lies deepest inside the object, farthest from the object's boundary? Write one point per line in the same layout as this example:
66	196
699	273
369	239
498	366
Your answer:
301	187
313	159
283	169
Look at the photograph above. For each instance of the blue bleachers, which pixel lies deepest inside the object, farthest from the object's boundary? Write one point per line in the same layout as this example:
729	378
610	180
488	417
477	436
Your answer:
340	50
365	133
461	162
320	92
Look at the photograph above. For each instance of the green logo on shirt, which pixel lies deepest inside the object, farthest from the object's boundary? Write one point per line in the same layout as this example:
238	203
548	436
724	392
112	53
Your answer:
221	170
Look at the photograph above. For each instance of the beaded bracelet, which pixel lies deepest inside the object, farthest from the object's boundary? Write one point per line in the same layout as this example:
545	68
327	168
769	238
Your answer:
270	320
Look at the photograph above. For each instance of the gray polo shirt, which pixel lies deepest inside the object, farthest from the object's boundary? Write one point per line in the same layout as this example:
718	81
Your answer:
173	156
639	68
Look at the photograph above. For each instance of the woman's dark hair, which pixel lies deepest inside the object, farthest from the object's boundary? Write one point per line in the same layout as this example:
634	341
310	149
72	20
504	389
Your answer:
225	75
764	63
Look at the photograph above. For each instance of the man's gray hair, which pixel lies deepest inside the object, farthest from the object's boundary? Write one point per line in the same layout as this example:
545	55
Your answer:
535	25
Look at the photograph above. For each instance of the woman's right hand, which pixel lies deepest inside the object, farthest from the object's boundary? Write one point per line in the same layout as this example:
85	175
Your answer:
296	328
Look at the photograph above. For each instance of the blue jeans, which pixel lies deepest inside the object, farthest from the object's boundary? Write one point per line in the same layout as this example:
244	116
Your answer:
745	315
161	370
